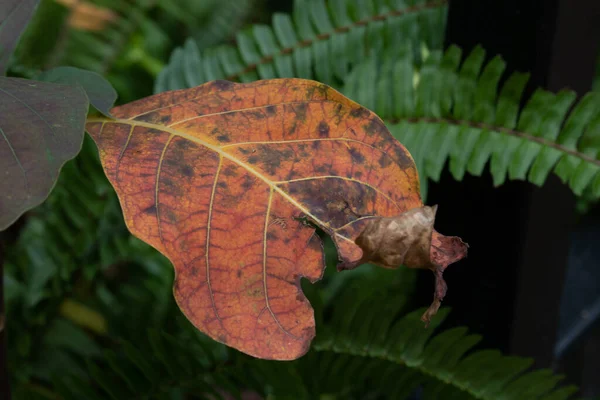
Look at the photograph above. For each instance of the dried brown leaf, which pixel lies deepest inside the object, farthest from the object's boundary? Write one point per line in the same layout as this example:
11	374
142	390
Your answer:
409	239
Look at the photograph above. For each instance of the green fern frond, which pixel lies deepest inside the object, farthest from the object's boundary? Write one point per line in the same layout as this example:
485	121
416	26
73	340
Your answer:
320	40
162	365
455	109
210	22
442	365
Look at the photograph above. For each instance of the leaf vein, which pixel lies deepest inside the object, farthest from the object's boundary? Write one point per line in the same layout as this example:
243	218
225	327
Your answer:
208	227
267	217
12	150
156	192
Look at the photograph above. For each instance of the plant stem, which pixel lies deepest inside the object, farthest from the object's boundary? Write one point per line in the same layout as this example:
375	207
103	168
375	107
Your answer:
4	385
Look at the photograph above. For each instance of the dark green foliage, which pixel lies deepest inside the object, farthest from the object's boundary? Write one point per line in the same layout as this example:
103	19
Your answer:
100	93
42	128
357	353
14	16
208	22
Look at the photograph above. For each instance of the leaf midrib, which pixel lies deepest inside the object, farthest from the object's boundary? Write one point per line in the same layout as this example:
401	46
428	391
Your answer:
399	361
219	150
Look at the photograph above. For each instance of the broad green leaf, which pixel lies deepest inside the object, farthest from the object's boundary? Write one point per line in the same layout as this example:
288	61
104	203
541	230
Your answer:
99	91
14	16
41	128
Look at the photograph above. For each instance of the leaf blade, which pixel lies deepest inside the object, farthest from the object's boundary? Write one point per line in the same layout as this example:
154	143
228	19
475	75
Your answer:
32	148
239	147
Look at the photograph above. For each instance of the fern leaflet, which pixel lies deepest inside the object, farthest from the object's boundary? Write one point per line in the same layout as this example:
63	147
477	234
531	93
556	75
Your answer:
319	40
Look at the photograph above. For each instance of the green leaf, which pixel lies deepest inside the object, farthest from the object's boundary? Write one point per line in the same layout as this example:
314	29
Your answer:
42	128
14	16
99	91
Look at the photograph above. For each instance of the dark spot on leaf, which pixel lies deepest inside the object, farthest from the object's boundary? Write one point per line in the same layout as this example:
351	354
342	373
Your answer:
230	170
257	114
244	151
239	273
374	127
150	210
248	182
309	92
291	175
323	129
170	215
293	128
359	112
171	187
224	138
183	144
358	174
187	170
165	119
272	236
271	110
357	156
271	158
222	185
222	85
316	144
194	271
323	89
253	159
403	160
384	161
321	168
300	111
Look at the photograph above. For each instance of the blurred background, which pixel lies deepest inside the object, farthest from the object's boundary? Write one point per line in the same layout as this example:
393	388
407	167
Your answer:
82	295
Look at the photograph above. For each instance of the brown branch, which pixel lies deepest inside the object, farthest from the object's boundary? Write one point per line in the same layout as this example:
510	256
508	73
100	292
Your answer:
324	36
503	130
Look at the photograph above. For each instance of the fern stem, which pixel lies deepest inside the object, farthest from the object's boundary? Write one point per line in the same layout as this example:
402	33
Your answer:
342	29
396	360
500	130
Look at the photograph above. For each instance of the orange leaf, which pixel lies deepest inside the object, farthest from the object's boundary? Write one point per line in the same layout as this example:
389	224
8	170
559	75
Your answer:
221	178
